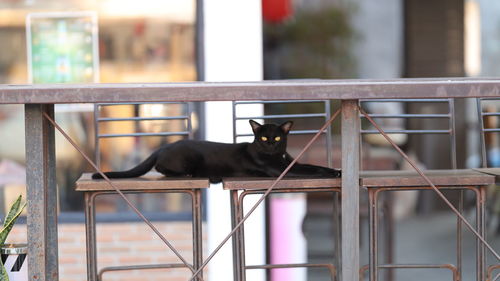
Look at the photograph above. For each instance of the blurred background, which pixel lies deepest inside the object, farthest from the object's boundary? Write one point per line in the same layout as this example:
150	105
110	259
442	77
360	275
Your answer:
166	41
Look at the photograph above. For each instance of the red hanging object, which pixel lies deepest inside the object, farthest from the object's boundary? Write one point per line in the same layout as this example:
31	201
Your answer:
276	11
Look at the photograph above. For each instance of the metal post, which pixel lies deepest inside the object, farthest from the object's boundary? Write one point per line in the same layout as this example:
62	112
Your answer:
41	194
373	229
197	231
90	232
237	251
350	190
480	224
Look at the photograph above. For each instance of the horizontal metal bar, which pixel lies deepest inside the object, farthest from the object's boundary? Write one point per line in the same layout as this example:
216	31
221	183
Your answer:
280	116
78	217
139	267
278	101
492	130
140	103
330	267
388	266
404	88
143	119
164	134
489	99
407	131
406	100
490	113
298	132
270	266
408	116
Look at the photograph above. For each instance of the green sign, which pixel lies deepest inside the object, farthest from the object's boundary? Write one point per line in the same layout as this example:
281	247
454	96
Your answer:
62	47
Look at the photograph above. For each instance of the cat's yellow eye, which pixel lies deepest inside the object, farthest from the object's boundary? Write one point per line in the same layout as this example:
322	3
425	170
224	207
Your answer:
277	138
263	138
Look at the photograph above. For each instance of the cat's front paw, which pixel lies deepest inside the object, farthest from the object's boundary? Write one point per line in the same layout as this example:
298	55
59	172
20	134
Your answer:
338	173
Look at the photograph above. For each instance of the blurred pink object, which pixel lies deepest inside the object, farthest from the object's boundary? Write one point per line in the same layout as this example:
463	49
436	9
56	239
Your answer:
12	173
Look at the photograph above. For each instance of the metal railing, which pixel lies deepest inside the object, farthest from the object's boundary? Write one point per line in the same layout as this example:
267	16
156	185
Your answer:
39	100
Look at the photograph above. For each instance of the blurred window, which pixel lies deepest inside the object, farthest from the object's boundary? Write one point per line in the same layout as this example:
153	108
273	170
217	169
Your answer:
139	41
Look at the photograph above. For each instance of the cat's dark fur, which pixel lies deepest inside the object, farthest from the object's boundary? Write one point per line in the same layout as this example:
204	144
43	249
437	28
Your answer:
266	156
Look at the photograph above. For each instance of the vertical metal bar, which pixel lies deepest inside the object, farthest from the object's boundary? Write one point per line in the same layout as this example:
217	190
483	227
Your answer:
234	121
96	132
481	224
336	229
453	159
90	229
484	160
373	238
350	190
335	196
329	144
391	232
200	41
460	233
453	135
237	267
197	231
478	243
41	194
241	238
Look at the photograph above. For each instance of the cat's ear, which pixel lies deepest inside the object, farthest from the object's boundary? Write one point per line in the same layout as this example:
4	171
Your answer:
285	127
255	126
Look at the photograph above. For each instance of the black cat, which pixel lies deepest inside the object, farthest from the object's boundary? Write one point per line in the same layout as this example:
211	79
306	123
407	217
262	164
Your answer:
266	156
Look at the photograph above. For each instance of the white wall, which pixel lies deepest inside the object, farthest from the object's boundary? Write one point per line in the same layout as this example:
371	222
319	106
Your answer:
233	52
379	46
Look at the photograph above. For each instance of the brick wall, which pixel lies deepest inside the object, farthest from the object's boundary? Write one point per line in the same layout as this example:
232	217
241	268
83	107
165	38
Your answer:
121	244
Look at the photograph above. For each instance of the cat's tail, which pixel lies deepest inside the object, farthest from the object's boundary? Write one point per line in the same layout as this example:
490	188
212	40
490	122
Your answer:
137	171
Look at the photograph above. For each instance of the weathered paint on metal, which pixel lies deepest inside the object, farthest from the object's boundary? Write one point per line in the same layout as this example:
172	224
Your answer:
41	194
264	90
350	190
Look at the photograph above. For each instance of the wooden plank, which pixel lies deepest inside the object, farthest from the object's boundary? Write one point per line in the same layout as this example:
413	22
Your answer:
265	183
350	191
263	90
150	181
462	177
41	195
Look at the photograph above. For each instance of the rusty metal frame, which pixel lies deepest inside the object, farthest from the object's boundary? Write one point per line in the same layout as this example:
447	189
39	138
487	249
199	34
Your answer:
50	119
239	237
480	260
39	99
451	267
484	159
91	243
373	193
450	131
137	267
331	268
237	205
489	273
352	89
